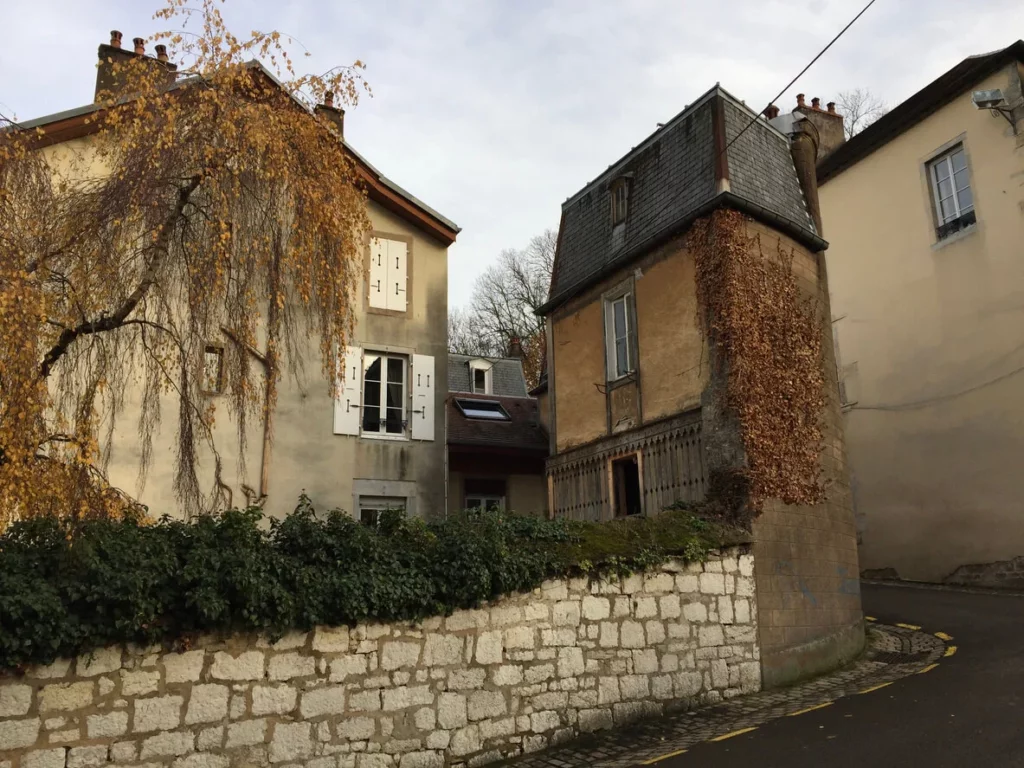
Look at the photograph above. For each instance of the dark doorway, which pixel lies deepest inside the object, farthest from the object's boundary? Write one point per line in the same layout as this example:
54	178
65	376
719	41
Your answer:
626	477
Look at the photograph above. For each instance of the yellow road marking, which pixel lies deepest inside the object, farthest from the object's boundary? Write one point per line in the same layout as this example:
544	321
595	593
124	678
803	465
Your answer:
659	758
809	709
870	618
741	731
929	668
950	650
909	626
875	687
943	636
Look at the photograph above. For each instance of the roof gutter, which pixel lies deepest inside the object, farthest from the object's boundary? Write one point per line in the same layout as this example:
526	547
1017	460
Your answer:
722	200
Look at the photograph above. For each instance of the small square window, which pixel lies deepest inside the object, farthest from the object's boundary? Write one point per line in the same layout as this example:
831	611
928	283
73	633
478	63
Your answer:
370	507
213	370
951	192
620	200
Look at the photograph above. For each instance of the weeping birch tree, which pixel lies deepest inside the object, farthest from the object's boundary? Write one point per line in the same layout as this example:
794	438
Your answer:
211	203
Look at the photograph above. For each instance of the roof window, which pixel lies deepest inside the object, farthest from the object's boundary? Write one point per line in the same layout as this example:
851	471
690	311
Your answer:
490	410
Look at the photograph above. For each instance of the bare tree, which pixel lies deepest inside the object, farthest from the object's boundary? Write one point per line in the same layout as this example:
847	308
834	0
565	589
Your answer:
859	108
503	304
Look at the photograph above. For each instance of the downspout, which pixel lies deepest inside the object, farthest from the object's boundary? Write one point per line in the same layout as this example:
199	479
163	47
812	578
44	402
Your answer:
446	457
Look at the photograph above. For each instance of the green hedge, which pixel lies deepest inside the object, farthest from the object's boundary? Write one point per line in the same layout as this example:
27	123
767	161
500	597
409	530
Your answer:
69	587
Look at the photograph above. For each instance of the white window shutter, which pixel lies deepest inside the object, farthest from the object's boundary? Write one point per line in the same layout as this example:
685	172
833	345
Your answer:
398	270
422	416
350	392
377	279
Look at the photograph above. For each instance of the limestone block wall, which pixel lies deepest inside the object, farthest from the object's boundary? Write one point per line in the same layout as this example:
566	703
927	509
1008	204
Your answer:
470	688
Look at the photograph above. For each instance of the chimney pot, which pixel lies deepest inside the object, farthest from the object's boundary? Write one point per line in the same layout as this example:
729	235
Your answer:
816	103
140	45
329	99
800	100
831	107
771	112
115	39
161	52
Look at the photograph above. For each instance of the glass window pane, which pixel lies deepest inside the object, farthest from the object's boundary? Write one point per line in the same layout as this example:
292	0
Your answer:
960	180
621	357
959	160
945	189
393	424
396	370
619	315
966	199
371	406
941	169
372	369
213	362
479	380
394	395
948	210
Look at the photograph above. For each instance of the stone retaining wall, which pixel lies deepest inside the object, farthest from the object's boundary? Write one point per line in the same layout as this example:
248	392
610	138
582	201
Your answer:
473	687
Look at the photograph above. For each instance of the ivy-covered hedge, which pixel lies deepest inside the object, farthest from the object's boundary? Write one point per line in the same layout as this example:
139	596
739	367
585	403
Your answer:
69	587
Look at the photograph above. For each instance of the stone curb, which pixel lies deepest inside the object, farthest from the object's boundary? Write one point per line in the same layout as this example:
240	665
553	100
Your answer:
893	652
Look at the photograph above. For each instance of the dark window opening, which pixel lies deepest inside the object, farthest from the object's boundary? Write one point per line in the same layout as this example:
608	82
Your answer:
482	409
626	479
620	201
369	517
480	380
213	369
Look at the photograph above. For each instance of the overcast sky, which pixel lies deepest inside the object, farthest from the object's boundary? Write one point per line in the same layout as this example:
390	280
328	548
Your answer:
495	111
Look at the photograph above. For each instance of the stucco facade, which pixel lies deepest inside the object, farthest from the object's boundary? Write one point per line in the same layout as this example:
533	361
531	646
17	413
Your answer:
930	333
330	450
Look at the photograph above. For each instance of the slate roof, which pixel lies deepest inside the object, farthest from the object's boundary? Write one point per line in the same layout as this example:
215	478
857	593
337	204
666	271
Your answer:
674	179
523	433
937	94
507	378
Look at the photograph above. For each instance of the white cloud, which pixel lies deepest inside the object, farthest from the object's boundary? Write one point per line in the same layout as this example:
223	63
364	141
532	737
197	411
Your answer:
495	112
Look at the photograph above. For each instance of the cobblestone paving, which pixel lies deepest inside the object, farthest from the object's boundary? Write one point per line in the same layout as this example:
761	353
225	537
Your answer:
893	652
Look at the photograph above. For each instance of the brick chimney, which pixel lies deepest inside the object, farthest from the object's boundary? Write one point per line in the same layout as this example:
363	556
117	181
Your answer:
771	112
829	124
335	114
111	54
515	348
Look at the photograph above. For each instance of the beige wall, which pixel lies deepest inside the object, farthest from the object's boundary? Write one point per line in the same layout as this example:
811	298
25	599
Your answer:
931	339
526	494
306	455
669	342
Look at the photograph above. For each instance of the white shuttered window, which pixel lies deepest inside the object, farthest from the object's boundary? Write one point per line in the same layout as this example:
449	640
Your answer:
389	274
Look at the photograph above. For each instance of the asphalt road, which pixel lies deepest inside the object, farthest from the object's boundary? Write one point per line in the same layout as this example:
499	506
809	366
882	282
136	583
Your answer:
968	711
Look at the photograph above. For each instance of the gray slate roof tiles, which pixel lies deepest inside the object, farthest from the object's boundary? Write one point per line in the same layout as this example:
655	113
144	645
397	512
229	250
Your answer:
507	379
673	178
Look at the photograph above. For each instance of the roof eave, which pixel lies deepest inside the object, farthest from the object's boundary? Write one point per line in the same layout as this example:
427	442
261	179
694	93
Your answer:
721	200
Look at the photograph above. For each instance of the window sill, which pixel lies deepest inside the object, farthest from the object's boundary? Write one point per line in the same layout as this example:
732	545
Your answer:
956	237
629	378
388	438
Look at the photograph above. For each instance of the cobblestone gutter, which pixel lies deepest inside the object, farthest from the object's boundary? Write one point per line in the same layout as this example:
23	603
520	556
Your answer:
471	688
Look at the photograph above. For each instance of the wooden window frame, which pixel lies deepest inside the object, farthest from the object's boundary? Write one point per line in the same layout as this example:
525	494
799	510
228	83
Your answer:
382	434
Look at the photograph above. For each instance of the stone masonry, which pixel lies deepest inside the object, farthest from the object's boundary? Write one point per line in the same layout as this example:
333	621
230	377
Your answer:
477	686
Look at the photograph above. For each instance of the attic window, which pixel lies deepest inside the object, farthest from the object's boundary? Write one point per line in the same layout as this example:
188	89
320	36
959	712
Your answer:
619	191
482	409
480	381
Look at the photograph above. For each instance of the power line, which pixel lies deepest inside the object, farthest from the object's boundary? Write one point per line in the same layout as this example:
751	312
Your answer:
801	74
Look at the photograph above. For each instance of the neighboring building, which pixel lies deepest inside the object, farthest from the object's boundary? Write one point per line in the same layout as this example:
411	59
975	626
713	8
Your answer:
925	216
496	442
382	443
634	385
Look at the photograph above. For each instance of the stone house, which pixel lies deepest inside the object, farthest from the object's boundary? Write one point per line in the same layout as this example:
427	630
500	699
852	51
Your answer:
634	388
925	213
496	442
381	443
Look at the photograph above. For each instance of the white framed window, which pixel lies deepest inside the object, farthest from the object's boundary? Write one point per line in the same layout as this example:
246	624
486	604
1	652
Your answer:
485	501
480	377
619	336
388	274
213	370
951	192
384	395
370	507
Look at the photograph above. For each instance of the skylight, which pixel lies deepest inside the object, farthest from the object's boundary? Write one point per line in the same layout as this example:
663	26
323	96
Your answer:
482	409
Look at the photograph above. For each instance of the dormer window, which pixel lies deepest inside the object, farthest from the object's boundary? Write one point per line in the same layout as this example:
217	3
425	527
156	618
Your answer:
480	376
619	190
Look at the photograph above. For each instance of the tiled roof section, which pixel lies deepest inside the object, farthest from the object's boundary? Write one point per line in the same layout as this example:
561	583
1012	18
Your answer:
672	175
507	378
761	167
937	94
673	179
524	431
